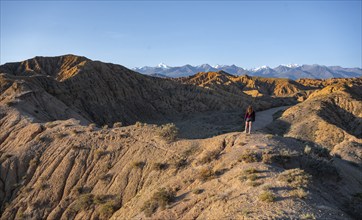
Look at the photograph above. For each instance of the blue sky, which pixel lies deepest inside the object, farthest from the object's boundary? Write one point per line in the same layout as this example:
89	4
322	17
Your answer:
138	33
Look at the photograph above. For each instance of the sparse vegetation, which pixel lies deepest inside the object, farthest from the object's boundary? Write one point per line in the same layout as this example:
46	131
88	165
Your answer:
295	178
107	209
74	132
168	132
180	163
192	150
267	187
51	124
281	157
100	153
254	183
250	170
269	136
117	125
60	135
317	151
84	201
210	156
307	149
100	199
307	216
42	184
161	199
249	157
92	127
299	193
206	173
34	162
267	196
139	124
160	166
106	177
28	189
45	139
19	215
252	177
249	174
198	191
245	212
138	164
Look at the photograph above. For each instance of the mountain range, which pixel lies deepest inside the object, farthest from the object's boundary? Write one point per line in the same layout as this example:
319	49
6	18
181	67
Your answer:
291	71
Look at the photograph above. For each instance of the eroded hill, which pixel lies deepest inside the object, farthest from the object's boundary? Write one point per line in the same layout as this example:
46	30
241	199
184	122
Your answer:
63	170
330	117
51	88
253	86
56	163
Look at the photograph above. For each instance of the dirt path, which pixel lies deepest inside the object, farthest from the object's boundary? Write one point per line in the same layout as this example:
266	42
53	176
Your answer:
263	118
206	125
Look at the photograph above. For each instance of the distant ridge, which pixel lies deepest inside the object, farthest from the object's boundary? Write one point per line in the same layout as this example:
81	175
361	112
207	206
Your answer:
291	71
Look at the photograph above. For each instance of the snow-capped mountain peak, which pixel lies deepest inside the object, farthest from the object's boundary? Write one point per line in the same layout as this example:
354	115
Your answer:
219	66
163	66
292	65
260	68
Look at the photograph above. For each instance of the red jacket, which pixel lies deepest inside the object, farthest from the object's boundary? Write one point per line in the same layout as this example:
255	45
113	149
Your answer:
251	116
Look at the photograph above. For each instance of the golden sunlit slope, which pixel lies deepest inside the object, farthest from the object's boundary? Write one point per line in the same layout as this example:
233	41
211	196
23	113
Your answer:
63	170
330	117
56	163
254	86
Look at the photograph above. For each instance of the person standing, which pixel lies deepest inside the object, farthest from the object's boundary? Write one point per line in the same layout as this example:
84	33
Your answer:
249	118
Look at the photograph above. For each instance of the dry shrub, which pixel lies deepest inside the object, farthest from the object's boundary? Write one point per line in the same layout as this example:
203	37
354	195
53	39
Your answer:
60	135
180	163
92	127
267	196
192	150
100	153
206	174
210	156
106	177
168	132
281	157
299	193
252	177
307	216
109	207
117	124
249	157
249	174
198	191
254	183
84	201
250	170
138	164
295	178
161	199
160	166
